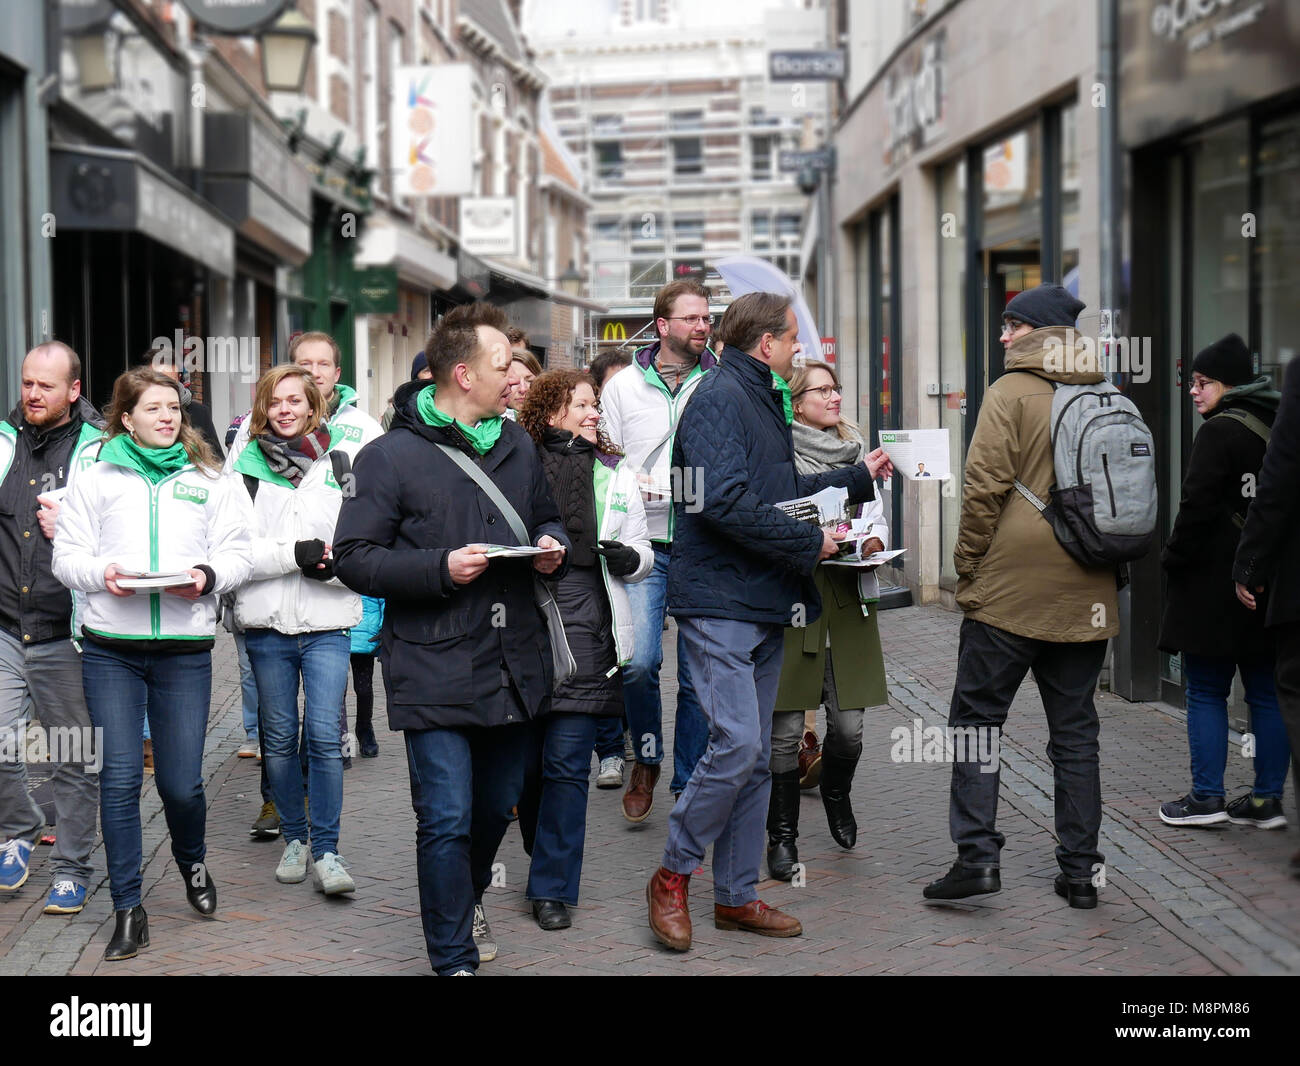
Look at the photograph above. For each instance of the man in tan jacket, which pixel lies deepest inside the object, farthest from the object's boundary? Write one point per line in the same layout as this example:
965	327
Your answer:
1029	606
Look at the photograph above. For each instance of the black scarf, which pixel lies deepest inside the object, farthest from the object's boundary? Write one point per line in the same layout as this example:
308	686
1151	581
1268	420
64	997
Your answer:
569	463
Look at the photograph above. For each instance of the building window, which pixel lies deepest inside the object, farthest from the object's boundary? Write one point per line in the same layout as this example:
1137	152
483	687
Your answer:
609	161
606	125
762	150
758	116
688	157
760	231
787	229
688	234
686	121
608	237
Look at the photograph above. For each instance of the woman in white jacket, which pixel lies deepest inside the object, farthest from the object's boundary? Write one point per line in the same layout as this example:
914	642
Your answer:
154	504
295	614
600	505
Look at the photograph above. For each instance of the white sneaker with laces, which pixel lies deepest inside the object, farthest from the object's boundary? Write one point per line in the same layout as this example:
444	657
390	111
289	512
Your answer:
331	875
293	865
248	749
610	774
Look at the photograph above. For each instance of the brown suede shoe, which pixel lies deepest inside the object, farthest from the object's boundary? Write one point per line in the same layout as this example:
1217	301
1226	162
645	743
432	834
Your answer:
670	921
756	917
640	795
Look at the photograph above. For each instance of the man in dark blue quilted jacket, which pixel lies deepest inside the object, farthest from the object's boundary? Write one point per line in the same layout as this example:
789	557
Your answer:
741	572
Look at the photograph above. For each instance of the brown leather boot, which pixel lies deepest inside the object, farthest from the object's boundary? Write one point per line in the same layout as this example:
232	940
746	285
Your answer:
670	921
640	795
756	917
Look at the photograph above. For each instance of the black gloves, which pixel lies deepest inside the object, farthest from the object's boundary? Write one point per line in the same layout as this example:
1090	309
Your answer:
620	559
307	554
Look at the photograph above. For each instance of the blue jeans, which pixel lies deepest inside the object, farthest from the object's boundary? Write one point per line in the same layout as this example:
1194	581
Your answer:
174	692
247	686
609	737
556	781
322	661
1209	682
736	666
641	682
463	784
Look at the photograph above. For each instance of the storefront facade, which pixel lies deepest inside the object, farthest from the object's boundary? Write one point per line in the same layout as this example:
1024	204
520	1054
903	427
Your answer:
966	174
1210	123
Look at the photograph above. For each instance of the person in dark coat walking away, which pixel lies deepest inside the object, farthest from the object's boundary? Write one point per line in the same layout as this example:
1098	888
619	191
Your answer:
465	651
741	571
1216	634
1267	566
600	505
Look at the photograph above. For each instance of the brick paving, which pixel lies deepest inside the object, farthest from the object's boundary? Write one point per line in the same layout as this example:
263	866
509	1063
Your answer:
1178	901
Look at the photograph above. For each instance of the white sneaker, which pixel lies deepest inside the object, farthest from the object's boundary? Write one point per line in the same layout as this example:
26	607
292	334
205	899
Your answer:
610	774
483	938
331	875
248	749
293	864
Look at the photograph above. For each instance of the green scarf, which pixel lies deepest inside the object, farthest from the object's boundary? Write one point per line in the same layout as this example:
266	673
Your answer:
482	436
787	401
342	396
1260	390
153	463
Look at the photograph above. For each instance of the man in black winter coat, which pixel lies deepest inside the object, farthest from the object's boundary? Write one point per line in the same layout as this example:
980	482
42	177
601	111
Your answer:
741	572
1267	567
464	648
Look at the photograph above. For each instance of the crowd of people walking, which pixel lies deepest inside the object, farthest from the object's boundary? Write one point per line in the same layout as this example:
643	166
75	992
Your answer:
508	544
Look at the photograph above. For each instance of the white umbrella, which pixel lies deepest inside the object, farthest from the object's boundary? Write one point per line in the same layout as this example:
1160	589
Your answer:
747	273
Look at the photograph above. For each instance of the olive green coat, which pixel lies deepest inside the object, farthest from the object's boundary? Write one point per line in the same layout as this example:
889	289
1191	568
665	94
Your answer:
859	663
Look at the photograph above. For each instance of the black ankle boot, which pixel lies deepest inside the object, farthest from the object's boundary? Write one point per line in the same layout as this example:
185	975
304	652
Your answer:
837	780
366	743
199	888
783	825
129	935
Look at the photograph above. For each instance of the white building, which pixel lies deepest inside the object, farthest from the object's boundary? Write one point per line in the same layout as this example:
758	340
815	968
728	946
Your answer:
668	108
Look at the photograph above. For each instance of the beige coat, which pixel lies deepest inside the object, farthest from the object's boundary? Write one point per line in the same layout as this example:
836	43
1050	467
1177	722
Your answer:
1013	573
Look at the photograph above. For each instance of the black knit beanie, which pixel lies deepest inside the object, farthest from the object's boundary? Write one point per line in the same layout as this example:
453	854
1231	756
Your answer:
1044	305
1227	360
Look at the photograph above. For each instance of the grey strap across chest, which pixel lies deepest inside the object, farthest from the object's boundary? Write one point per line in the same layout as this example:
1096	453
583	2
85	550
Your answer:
490	490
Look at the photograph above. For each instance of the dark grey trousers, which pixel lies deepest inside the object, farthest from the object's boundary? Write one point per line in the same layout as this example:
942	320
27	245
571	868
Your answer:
991	664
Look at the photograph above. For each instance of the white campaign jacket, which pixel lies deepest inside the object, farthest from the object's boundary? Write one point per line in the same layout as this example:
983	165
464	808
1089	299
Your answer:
115	515
278	596
639	414
620	516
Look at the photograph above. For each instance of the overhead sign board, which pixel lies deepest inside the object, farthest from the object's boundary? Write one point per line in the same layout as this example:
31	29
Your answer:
806	65
794	160
236	17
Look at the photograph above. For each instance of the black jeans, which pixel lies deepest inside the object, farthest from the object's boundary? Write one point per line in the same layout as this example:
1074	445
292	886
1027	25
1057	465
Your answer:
991	664
1286	679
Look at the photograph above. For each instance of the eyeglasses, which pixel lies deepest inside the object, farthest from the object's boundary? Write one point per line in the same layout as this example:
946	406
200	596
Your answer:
824	391
1199	382
1010	325
692	320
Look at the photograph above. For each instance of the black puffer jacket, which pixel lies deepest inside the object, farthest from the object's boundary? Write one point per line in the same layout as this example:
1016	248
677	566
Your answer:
597	687
450	653
734	554
1202	613
1269	551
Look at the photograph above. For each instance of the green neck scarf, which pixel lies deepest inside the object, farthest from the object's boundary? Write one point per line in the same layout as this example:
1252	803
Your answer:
342	396
153	463
787	401
482	436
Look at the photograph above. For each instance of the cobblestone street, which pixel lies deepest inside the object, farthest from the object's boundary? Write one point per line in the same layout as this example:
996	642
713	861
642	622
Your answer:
1177	901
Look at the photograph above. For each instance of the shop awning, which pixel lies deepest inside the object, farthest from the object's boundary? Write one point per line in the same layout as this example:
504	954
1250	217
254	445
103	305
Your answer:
419	261
111	189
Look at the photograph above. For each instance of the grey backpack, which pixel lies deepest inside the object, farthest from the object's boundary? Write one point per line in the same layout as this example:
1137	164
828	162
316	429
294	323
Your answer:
1103	506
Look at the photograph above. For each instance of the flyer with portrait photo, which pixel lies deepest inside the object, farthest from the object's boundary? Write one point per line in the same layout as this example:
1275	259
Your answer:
918	454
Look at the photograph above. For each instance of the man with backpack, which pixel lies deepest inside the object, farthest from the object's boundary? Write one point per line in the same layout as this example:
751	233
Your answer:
1029	603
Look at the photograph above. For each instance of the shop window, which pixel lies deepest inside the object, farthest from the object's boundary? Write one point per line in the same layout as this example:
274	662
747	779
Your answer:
1277	163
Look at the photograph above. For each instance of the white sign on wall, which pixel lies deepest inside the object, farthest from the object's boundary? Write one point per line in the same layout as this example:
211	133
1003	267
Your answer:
488	225
431	131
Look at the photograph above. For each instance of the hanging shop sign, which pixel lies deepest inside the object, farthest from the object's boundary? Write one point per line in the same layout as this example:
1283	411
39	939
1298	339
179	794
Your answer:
430	131
488	225
238	17
376	290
